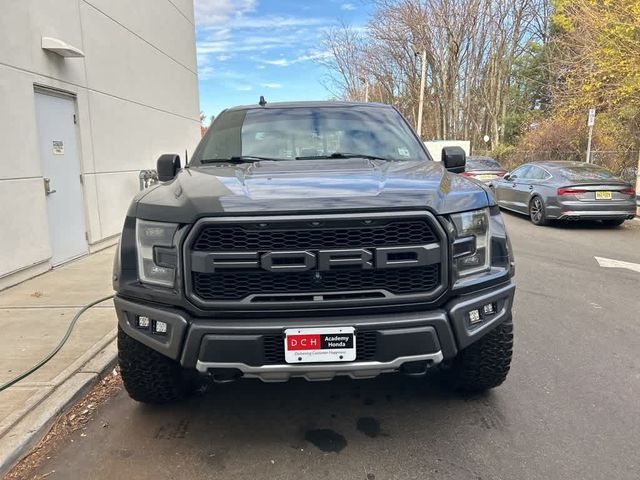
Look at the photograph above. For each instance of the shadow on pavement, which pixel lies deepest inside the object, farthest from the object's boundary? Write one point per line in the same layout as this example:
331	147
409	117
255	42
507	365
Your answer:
325	414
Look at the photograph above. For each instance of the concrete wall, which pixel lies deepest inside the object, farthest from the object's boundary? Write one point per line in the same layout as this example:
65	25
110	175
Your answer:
136	97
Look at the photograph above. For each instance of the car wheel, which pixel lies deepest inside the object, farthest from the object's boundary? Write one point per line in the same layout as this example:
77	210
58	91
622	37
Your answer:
150	377
613	222
537	212
483	364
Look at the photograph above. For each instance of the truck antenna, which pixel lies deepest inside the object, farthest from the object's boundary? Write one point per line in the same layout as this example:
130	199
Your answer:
262	101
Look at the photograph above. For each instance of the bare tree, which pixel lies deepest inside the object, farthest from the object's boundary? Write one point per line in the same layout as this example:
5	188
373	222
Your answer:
345	62
470	46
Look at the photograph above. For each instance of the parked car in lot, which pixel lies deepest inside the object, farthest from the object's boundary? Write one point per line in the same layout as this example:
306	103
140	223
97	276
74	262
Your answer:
485	169
566	191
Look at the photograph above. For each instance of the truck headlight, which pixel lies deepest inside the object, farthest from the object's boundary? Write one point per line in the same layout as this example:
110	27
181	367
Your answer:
471	247
154	241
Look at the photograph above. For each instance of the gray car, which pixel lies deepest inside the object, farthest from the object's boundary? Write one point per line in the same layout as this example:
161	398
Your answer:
566	191
485	169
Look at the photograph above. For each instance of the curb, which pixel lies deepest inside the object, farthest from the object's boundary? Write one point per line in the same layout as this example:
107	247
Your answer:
34	425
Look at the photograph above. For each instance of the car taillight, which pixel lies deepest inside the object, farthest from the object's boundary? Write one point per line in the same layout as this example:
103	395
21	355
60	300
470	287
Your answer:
629	191
571	191
501	174
467	174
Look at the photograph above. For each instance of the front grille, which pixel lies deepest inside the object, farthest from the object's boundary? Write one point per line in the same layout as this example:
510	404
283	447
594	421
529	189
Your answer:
366	345
286	234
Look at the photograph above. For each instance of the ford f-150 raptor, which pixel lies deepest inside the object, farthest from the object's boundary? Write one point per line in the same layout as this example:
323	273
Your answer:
312	239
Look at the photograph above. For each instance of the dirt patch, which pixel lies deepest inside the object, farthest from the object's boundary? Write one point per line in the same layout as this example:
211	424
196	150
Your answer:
74	419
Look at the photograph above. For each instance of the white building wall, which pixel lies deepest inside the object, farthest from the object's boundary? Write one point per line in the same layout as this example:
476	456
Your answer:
136	98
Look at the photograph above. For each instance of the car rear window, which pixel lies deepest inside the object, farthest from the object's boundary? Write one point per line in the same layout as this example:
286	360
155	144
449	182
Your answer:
482	164
586	172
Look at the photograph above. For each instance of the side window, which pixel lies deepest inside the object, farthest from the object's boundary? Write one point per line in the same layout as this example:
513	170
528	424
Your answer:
521	172
536	173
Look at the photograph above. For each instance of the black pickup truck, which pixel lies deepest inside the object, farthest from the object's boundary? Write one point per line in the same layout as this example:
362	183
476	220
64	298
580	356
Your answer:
312	239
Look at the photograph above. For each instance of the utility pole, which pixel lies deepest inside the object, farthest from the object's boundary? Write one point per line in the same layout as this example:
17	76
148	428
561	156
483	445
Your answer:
422	80
591	121
366	88
638	183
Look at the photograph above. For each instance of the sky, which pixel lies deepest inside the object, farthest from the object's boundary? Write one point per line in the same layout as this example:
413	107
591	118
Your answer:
248	48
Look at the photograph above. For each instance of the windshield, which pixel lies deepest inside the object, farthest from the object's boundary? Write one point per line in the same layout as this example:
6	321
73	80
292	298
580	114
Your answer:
303	133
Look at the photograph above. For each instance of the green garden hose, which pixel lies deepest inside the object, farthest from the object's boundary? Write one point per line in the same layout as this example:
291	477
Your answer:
53	352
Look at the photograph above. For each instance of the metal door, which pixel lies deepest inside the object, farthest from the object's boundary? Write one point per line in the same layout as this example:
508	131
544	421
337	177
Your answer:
55	116
522	193
508	188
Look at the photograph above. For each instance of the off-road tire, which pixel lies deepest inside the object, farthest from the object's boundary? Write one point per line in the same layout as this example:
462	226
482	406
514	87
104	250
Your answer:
149	376
537	212
613	222
485	363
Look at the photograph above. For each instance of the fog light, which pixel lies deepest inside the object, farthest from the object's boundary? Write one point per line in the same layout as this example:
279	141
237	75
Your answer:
159	327
488	309
143	322
474	316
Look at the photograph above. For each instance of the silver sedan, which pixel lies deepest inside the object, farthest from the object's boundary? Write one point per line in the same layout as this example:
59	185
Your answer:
566	191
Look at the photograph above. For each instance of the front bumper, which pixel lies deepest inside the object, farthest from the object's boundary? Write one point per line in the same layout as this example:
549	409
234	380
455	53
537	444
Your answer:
253	347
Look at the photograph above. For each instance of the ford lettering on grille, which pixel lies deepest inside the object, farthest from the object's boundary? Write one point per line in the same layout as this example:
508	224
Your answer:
322	260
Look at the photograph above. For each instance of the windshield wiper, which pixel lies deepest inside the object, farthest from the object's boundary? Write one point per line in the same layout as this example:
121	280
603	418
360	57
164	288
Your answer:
237	159
345	155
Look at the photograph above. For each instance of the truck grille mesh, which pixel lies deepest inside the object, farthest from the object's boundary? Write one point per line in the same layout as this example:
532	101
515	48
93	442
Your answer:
238	285
251	238
231	285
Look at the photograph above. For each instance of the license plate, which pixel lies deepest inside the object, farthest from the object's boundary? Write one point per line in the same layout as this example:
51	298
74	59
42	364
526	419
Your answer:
486	177
307	345
603	195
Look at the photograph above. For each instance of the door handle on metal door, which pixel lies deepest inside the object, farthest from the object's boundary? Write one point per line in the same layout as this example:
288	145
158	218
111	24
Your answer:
47	186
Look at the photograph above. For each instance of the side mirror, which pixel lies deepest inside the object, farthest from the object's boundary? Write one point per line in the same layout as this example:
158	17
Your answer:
168	166
506	176
454	159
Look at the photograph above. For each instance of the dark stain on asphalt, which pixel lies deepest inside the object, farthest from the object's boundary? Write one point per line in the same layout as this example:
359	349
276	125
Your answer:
369	426
123	453
326	440
371	476
173	431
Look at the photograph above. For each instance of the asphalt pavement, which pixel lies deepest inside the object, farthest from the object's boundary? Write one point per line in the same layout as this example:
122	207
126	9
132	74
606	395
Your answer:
570	408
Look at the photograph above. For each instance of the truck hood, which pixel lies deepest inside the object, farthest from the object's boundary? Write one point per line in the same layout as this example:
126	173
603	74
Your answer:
311	185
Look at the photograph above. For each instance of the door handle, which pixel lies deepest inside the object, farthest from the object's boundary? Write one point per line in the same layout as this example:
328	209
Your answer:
47	186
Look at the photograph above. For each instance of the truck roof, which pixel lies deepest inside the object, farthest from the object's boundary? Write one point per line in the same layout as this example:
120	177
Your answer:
311	104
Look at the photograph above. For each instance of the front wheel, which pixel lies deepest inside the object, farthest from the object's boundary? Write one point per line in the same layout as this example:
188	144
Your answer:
537	212
485	363
149	376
